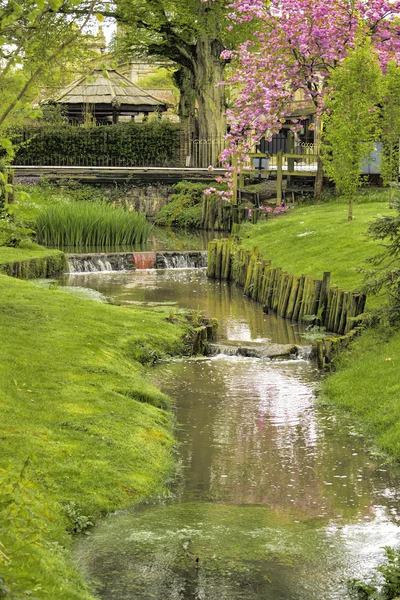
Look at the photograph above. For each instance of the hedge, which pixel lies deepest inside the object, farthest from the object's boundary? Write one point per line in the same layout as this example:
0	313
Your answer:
154	143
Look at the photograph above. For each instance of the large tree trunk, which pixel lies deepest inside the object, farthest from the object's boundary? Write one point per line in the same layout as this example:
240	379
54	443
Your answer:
184	79
209	71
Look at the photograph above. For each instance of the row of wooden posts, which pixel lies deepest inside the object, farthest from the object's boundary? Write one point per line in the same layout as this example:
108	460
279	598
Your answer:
219	215
301	299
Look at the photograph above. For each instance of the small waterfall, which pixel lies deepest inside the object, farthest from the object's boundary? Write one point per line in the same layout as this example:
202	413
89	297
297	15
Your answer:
124	261
181	260
96	263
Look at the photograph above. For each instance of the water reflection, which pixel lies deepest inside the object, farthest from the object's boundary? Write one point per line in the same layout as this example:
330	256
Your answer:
278	499
239	318
159	239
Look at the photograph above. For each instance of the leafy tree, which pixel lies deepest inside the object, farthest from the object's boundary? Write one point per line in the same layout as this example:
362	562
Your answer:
390	123
192	34
352	118
37	41
296	48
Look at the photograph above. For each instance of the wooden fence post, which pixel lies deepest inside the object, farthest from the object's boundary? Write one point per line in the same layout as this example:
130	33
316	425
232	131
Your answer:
235	182
279	159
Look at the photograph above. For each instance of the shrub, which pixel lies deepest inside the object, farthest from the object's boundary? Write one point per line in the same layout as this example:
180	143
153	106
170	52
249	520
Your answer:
12	231
185	207
90	224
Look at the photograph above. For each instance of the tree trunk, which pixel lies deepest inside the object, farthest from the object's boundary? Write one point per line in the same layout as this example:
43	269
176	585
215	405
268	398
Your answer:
209	71
184	79
350	213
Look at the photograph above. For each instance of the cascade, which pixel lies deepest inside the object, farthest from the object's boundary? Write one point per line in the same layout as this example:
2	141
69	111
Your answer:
124	261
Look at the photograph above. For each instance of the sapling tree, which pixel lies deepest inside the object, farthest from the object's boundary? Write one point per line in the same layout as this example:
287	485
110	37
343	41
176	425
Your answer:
351	119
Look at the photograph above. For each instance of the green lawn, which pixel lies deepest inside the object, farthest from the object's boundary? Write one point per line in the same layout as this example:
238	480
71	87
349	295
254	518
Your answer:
367	384
75	403
312	239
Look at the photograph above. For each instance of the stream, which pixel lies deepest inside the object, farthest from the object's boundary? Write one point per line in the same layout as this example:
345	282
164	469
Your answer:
277	497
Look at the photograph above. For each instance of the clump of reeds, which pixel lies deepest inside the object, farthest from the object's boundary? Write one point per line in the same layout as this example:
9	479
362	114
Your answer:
90	224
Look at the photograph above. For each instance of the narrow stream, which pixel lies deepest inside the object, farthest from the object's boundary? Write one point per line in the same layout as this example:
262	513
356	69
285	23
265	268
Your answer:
277	498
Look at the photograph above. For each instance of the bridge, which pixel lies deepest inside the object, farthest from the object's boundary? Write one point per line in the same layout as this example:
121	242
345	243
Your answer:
118	174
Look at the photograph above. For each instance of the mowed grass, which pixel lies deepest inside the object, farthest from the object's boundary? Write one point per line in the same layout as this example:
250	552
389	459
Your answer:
76	409
366	382
312	239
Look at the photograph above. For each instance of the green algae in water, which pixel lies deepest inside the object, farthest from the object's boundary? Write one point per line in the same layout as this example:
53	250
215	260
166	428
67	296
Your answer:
201	550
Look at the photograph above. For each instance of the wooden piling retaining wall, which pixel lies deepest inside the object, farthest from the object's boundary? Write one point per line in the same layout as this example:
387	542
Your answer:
217	214
289	296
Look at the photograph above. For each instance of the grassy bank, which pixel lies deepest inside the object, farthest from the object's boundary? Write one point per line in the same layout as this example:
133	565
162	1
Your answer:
82	431
317	238
314	239
26	251
30	260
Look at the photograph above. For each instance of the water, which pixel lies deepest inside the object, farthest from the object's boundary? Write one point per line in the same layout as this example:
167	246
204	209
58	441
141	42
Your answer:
277	497
160	239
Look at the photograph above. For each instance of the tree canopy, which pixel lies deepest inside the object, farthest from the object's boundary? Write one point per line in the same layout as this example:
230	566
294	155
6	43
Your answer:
38	40
297	45
192	34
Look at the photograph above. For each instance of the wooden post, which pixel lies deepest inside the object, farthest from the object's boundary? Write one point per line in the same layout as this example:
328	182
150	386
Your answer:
323	298
290	146
235	182
279	160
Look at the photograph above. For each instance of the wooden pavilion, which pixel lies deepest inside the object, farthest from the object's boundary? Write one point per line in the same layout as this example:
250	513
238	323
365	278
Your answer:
106	95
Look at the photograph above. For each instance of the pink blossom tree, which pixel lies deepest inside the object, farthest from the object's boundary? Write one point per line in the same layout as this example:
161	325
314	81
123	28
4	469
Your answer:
297	46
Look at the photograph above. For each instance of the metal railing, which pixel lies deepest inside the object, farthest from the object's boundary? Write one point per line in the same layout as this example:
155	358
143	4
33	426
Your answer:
109	147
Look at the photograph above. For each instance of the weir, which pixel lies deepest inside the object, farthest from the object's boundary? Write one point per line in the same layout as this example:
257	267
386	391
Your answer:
129	261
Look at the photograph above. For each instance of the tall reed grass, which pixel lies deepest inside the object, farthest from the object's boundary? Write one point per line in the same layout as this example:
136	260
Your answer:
90	224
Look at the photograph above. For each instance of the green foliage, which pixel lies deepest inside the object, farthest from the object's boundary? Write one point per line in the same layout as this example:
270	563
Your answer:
384	270
79	523
90	224
155	142
161	79
389	589
13	232
390	123
184	210
143	352
351	124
